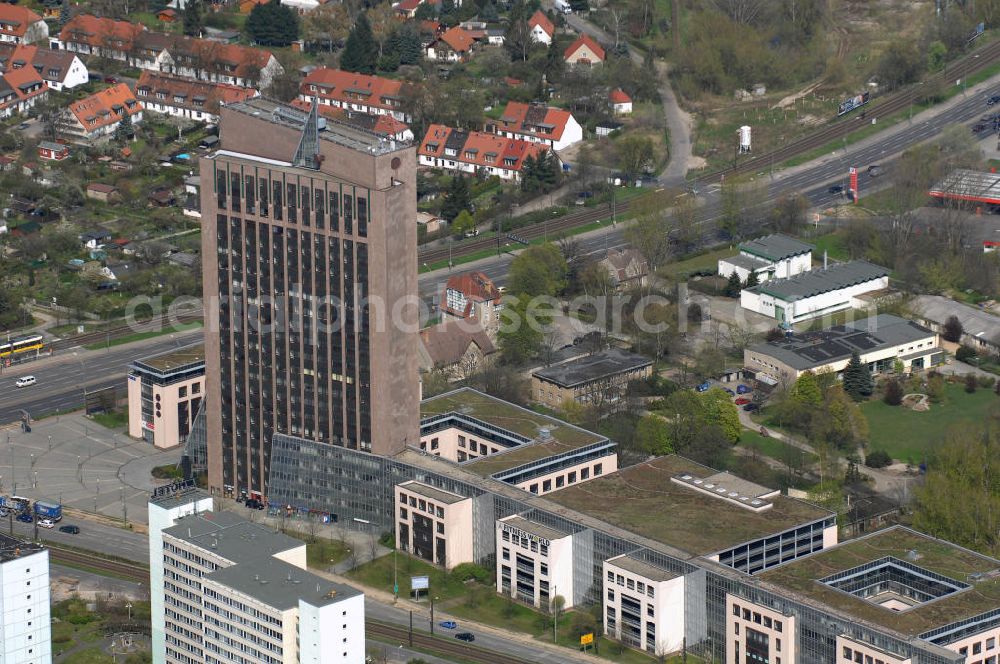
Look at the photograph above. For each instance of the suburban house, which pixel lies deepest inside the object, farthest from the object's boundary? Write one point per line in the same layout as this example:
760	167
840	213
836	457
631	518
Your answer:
407	9
303	7
20	89
20	25
770	257
584	52
61	70
454	45
187	98
104	193
429	222
598	380
541	27
385	126
538	123
621	103
815	293
626	267
373	95
202	59
473	296
167	15
95	239
53	151
100	113
880	341
457	350
980	328
475	152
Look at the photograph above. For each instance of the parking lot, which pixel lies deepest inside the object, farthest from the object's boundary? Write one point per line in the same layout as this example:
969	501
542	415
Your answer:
74	461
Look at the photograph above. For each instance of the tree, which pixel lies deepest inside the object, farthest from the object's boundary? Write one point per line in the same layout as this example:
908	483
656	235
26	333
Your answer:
878	459
462	223
858	383
361	51
953	329
521	332
901	63
648	233
789	213
457	198
937	53
720	411
328	21
751	279
635	155
652	435
538	270
806	390
733	286
273	24
192	18
124	130
893	392
839	422
971	383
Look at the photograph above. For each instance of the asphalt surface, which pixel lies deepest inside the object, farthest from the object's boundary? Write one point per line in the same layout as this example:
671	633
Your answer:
63	377
97	537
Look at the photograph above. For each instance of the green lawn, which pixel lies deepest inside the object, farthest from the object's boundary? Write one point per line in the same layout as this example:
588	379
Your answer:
116	420
702	262
908	435
772	447
379	574
139	336
832	243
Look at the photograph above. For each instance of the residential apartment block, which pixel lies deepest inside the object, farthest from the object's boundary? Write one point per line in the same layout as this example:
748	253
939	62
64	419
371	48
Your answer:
25	622
59	69
187	98
881	342
350	91
164	395
101	113
476	152
537	123
311	258
228	590
201	59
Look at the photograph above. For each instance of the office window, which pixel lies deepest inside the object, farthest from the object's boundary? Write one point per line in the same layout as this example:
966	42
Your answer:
611	595
767	621
611	576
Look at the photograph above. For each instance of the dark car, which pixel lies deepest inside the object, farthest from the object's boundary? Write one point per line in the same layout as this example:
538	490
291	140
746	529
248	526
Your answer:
466	636
743	389
254	504
836	189
993	100
25	518
72	530
980	127
751	407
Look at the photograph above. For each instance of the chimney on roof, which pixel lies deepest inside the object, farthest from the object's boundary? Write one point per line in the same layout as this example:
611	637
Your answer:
824	259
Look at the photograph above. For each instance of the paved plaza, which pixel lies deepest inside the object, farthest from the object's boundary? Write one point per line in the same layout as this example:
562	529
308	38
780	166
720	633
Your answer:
73	460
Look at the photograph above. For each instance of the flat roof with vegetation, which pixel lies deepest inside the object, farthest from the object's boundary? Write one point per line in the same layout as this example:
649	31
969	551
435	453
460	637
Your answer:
540	436
982	574
181	359
644	500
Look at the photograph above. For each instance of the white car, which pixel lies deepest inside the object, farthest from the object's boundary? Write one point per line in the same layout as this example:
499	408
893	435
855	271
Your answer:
47	523
25	381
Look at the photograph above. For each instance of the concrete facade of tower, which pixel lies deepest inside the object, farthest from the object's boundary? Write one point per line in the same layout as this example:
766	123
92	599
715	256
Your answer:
310	284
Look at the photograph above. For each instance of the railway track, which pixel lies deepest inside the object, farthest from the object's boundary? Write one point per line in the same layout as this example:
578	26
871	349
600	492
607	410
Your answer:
119	568
440	646
552	227
843	127
116	332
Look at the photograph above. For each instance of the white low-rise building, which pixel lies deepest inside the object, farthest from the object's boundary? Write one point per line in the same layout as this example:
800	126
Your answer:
770	257
534	562
643	605
815	293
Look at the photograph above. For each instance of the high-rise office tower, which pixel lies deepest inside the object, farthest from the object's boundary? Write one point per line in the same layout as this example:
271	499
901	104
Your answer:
309	259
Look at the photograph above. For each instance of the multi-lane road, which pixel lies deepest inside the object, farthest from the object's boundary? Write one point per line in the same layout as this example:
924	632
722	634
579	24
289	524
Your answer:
63	377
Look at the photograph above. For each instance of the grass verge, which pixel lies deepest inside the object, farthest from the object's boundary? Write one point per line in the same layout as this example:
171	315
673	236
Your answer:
139	336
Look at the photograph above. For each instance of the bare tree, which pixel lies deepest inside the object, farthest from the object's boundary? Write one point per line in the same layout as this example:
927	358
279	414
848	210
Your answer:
745	12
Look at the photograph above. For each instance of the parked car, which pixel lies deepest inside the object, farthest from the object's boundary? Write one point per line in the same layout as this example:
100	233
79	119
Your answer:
47	523
254	504
704	386
743	389
729	392
742	401
466	636
72	530
979	127
448	624
751	407
25	518
473	233
110	79
993	100
25	381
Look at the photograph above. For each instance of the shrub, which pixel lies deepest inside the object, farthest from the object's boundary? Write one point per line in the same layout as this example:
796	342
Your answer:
694	312
878	459
971	383
893	392
964	354
467	571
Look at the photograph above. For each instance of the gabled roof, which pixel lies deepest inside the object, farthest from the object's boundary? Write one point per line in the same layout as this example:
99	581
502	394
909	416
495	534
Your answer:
475	286
345	86
585	40
816	282
408	5
541	20
105	107
618	96
458	39
200	95
99	32
447	342
51	65
19	85
15	19
776	247
383	125
478	148
521	118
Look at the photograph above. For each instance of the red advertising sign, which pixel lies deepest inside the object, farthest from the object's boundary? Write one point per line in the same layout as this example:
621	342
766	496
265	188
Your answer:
854	183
